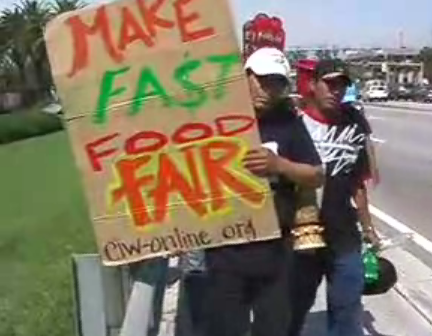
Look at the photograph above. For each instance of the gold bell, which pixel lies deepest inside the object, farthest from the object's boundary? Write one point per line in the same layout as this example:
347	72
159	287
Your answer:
307	233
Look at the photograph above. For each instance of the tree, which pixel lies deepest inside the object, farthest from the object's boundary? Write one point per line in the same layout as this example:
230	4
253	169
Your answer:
425	56
62	6
22	45
36	15
12	48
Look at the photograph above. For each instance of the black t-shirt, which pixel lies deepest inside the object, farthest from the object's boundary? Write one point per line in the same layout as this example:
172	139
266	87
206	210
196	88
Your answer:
342	148
283	130
360	118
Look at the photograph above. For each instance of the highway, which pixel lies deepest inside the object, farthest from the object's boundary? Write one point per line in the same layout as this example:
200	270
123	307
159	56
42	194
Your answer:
403	139
402	202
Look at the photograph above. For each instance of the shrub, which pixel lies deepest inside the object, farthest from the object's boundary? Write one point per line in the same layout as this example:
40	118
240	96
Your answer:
22	125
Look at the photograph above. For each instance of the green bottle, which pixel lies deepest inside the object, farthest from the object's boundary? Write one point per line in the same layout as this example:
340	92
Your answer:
371	266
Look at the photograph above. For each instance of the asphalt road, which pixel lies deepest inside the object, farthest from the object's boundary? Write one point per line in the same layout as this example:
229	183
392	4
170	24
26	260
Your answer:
403	138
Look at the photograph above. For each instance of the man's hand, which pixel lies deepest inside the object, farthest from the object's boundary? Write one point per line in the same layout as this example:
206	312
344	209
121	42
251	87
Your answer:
261	162
371	237
376	179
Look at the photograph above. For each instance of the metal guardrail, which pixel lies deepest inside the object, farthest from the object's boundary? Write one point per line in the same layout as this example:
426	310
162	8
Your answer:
112	301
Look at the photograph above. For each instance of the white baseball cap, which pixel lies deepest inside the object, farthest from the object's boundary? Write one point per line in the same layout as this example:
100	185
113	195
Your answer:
268	61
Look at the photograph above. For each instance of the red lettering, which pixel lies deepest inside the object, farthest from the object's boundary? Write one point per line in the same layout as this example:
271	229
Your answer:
183	20
131	188
132	146
181	134
208	172
222	124
171	180
80	31
192	166
150	17
132	31
218	173
94	156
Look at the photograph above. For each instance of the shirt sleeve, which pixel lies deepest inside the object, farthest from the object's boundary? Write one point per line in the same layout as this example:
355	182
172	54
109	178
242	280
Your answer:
358	117
364	123
301	148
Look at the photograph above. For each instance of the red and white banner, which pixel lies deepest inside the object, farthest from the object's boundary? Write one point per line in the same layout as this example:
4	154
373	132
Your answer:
263	31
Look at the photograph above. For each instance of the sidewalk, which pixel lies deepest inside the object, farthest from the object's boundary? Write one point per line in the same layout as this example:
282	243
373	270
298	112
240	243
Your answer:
387	315
404	311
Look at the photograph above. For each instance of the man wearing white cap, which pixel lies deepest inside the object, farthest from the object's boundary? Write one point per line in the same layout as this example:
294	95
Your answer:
254	277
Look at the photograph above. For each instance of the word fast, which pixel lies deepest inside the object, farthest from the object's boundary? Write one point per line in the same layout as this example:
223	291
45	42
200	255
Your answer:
139	25
150	85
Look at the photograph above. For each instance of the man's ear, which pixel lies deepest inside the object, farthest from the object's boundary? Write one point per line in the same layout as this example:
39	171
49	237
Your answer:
311	87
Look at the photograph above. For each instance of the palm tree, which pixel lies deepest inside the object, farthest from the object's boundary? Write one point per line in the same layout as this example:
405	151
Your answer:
22	46
12	48
425	56
61	6
36	15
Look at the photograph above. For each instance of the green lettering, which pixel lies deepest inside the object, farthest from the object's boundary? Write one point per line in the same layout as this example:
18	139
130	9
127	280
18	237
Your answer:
226	63
148	78
107	92
195	93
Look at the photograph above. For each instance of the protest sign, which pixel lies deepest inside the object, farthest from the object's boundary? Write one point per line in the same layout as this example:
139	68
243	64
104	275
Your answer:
159	117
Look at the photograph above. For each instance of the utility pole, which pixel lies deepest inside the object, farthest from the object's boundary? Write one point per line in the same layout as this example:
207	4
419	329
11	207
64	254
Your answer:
401	40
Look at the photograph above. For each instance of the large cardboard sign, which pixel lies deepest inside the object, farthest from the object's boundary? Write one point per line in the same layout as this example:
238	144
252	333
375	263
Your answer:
159	116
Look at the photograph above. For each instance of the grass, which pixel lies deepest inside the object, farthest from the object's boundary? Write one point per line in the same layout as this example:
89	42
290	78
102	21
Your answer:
43	220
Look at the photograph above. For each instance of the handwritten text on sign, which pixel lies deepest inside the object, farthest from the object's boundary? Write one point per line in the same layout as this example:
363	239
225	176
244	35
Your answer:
204	170
139	26
166	127
149	85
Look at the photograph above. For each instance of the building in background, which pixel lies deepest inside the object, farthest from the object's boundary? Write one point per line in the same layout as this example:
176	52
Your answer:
394	66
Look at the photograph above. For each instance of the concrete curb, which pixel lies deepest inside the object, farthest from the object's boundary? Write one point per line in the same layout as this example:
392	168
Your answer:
414	281
418	307
401	107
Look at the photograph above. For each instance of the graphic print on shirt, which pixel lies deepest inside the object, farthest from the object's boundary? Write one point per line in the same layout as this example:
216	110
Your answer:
337	145
274	147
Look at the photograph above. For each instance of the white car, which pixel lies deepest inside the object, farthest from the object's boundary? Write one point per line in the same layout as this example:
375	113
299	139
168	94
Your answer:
376	93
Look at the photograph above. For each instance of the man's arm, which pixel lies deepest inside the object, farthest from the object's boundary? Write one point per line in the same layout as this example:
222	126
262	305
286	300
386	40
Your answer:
302	163
364	124
303	174
298	160
263	162
361	200
374	171
362	171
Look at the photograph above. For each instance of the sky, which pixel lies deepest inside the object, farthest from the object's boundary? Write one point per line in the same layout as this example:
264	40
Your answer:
338	22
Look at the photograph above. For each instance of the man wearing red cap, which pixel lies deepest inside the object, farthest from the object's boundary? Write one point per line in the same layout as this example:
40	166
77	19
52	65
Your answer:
305	73
340	138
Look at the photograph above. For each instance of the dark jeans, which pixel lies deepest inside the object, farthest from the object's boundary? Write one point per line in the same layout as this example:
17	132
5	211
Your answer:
194	302
345	279
233	296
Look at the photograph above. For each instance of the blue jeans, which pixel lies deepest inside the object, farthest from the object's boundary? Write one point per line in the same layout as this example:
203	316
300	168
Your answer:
345	280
